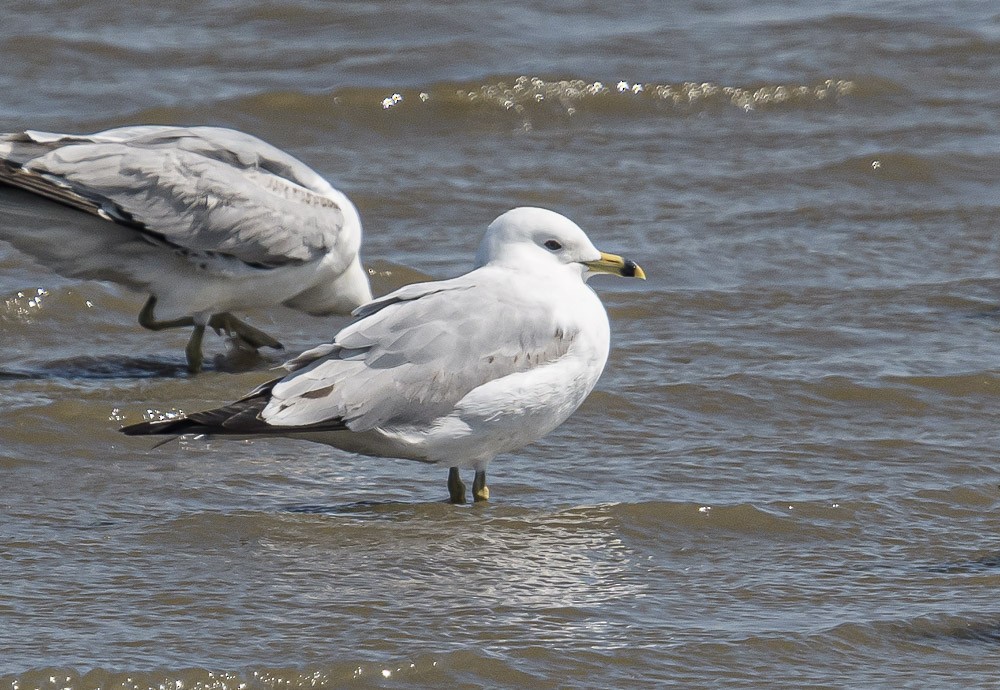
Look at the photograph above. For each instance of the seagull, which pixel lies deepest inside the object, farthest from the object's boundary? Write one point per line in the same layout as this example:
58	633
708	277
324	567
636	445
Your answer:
206	220
450	372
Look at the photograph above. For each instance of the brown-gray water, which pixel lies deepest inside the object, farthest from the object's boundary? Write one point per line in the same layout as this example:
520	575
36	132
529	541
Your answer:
789	474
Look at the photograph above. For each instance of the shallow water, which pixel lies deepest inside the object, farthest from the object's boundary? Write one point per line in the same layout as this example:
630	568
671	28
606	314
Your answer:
787	476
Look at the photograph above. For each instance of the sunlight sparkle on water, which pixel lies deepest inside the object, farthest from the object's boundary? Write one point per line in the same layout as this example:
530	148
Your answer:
392	100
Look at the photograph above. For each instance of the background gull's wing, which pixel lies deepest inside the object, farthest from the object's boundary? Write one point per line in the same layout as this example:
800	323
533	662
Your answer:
201	189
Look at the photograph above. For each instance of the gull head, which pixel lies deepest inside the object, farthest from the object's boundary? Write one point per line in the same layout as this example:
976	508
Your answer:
529	238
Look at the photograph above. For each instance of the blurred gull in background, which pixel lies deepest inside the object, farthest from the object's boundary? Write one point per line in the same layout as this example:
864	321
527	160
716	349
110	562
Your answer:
206	220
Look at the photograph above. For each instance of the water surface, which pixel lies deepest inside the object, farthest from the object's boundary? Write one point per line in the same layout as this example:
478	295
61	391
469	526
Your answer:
787	476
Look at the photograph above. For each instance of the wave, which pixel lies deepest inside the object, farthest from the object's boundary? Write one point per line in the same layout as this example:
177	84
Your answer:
570	95
521	100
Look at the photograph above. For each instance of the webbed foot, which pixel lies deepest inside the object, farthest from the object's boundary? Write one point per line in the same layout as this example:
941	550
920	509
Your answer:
243	332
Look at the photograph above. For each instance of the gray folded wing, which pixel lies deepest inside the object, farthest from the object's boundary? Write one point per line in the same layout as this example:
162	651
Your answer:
197	188
418	352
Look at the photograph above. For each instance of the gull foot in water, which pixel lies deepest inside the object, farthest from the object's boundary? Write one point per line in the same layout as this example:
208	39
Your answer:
245	335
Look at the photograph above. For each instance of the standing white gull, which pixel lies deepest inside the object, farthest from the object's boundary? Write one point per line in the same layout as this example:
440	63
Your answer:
204	219
451	372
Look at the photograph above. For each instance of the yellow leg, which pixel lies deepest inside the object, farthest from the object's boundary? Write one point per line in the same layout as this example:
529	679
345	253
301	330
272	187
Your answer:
456	488
480	492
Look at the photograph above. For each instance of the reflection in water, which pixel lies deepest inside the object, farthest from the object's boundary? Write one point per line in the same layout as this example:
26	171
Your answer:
507	558
126	367
105	367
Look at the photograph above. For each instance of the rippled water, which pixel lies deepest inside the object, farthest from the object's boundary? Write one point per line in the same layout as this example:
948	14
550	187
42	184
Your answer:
789	474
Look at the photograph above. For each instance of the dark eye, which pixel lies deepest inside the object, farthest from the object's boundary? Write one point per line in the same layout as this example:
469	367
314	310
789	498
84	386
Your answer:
553	245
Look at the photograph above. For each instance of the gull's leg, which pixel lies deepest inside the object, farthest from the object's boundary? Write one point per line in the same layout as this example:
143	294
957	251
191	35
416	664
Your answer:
456	489
253	337
147	320
480	492
193	349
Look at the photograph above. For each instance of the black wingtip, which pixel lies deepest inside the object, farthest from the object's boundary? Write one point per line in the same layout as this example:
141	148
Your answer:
140	429
166	426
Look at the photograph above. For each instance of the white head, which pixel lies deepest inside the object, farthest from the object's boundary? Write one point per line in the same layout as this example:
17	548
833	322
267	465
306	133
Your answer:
541	238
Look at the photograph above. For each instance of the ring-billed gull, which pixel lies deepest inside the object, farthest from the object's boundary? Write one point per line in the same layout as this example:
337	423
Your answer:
451	372
204	219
